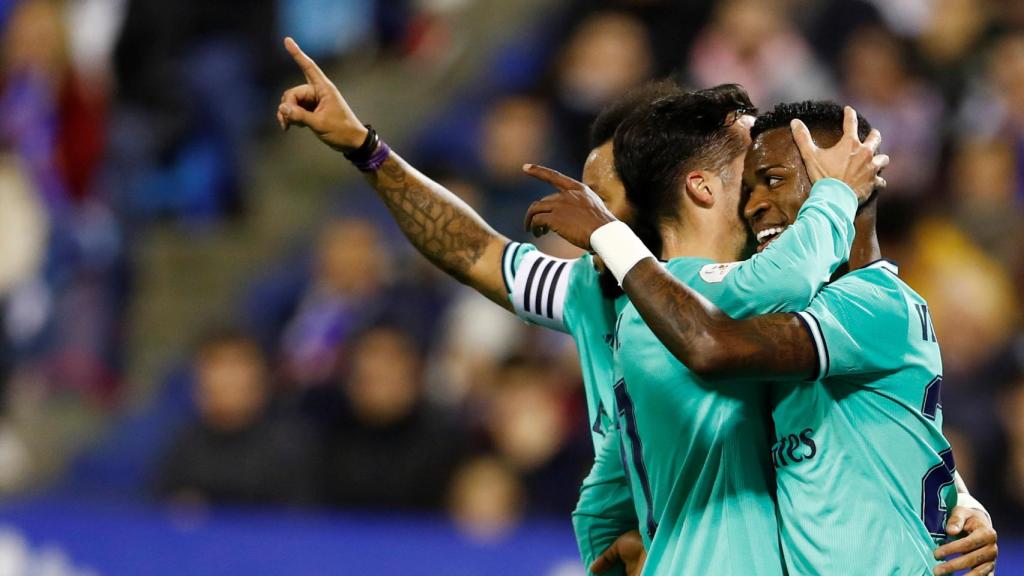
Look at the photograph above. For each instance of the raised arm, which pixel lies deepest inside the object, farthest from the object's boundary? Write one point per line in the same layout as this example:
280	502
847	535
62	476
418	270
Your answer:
437	222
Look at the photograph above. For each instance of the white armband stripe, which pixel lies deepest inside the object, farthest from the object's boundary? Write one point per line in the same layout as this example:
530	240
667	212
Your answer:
508	259
819	342
539	289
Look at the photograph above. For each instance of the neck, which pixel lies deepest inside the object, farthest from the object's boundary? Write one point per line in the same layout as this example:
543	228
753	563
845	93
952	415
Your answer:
865	248
698	238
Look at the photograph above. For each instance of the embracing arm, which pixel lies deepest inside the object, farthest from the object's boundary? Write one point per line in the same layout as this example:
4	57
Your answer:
436	221
708	341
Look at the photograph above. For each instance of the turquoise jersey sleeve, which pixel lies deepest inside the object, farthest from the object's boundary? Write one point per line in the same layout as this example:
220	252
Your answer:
793	268
539	285
859	324
605	509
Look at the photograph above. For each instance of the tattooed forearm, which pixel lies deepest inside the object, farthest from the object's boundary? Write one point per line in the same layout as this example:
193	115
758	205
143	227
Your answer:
709	342
442	227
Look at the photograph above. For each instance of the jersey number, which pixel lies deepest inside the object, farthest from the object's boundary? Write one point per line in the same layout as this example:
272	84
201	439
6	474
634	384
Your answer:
626	412
933	508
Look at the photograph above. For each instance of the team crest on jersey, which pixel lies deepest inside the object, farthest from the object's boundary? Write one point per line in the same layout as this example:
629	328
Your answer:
714	273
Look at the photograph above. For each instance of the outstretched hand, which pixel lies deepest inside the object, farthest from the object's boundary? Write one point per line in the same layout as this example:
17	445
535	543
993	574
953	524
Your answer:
319	106
850	160
573	212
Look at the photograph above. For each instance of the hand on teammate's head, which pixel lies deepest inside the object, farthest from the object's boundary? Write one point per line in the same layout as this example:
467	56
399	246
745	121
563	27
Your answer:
856	163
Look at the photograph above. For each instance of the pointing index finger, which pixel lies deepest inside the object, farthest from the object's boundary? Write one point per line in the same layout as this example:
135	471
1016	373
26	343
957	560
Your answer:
553	177
313	73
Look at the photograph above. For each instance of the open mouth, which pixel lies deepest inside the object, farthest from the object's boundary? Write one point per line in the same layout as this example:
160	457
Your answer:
768	235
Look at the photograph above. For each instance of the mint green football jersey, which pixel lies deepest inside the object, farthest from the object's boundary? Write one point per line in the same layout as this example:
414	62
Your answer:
565	295
696	455
865	476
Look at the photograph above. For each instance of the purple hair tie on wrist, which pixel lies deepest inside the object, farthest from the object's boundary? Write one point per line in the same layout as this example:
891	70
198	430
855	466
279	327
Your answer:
371	154
374	162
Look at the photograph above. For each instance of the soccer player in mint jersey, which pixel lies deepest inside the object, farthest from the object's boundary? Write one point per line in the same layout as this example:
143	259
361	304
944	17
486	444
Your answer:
859	448
563	295
697	459
440	225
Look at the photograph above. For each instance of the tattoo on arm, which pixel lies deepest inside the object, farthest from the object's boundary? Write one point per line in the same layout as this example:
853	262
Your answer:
708	341
441	226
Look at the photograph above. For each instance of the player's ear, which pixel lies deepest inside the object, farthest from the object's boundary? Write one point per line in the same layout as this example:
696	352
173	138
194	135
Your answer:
700	187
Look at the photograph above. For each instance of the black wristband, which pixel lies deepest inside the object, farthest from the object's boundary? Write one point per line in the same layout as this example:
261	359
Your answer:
366	150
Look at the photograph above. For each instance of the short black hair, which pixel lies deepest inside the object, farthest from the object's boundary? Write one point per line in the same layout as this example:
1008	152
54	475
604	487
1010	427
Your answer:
662	139
818	115
603	128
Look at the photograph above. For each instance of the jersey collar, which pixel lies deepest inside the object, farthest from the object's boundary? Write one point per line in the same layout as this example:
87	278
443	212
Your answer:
885	265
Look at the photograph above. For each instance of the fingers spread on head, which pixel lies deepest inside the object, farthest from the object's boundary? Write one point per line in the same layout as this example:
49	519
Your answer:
850	123
874	140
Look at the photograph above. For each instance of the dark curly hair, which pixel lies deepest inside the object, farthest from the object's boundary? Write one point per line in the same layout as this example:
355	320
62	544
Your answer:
662	139
821	116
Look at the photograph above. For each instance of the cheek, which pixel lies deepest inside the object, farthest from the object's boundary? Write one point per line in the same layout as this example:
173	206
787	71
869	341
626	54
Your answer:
792	199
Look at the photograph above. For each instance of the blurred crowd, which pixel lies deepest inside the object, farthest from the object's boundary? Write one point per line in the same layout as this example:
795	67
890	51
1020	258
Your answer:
355	375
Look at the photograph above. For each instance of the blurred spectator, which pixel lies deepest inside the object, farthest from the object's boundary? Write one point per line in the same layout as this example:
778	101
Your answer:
345	293
388	447
237	451
531	427
994	106
68	316
908	112
607	54
486	499
949	33
751	42
179	146
984	180
516	130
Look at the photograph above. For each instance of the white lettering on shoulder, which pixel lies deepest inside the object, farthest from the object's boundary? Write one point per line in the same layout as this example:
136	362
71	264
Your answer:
714	273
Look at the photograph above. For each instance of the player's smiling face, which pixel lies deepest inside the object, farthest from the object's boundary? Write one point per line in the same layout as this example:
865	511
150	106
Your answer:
775	185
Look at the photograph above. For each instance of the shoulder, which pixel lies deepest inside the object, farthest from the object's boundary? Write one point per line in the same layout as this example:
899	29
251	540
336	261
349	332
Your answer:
874	291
